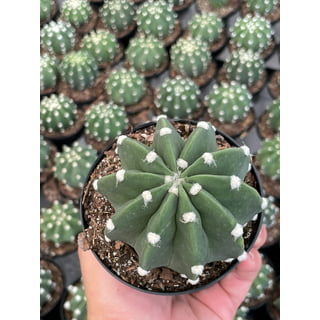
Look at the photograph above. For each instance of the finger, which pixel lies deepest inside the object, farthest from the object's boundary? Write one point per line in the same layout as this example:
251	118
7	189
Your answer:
262	237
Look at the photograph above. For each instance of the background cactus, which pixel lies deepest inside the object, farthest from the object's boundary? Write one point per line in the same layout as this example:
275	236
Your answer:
270	212
125	87
58	38
201	185
49	72
79	70
229	102
251	33
77	12
47	286
262	7
76	302
44	153
241	313
47	8
274	115
57	113
218	3
178	97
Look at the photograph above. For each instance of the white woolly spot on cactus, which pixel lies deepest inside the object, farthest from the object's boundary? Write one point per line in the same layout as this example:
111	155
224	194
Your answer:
161	116
235	182
107	239
208	159
203	125
193	282
109	225
246	150
249	166
142	272
188	217
151	156
120	139
197	270
168	179
174	189
195	189
165	131
237	231
153	238
243	256
147	197
120	175
182	275
264	203
228	260
255	217
183	164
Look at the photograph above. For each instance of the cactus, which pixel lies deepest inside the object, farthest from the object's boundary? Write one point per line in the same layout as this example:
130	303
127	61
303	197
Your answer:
125	87
104	122
44	153
178	203
229	102
60	223
178	97
73	164
49	72
274	115
270	212
190	57
269	157
47	286
46	9
118	15
102	45
146	54
156	18
251	33
76	302
241	313
58	38
217	3
77	12
57	113
244	66
262	7
79	70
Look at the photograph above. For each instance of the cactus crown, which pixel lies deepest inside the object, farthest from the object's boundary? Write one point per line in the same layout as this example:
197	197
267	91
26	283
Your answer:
46	285
60	223
57	113
178	203
156	18
77	303
269	157
117	15
73	164
190	57
146	53
125	87
178	97
241	313
77	12
262	7
207	26
105	121
217	3
270	211
49	71
44	153
58	37
244	66
79	69
251	32
274	115
46	7
229	102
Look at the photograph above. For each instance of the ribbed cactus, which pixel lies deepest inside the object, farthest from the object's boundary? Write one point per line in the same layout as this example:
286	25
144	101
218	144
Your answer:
77	12
146	54
57	113
180	203
73	164
274	115
44	153
244	66
60	223
241	313
104	122
49	72
178	97
47	8
270	211
218	3
58	38
47	286
190	57
229	102
125	87
262	7
251	33
156	18
76	302
269	157
79	70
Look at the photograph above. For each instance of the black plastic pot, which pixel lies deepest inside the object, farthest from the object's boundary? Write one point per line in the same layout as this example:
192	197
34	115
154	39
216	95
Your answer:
235	262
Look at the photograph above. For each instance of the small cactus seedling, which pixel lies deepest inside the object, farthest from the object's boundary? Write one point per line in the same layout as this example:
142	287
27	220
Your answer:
73	164
180	203
47	10
47	286
125	87
60	223
229	102
76	301
58	38
270	212
262	7
178	97
179	5
251	33
274	115
218	3
49	72
79	70
146	54
44	153
241	313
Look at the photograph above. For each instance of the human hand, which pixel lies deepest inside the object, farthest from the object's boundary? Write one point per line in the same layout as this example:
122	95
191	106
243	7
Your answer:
109	299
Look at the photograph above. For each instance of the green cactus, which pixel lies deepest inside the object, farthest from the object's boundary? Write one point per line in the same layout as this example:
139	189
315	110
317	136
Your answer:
274	115
190	57
178	203
125	87
217	3
178	97
47	286
57	113
206	26
77	302
241	313
60	223
176	2
156	18
79	70
77	12
270	211
44	153
269	157
46	9
244	66
251	33
49	72
102	45
117	15
229	102
146	53
58	38
262	7
104	121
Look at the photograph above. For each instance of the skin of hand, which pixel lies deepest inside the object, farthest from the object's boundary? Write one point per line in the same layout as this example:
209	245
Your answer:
109	299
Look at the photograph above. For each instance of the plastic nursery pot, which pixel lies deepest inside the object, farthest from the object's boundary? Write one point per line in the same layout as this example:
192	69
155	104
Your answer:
249	235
